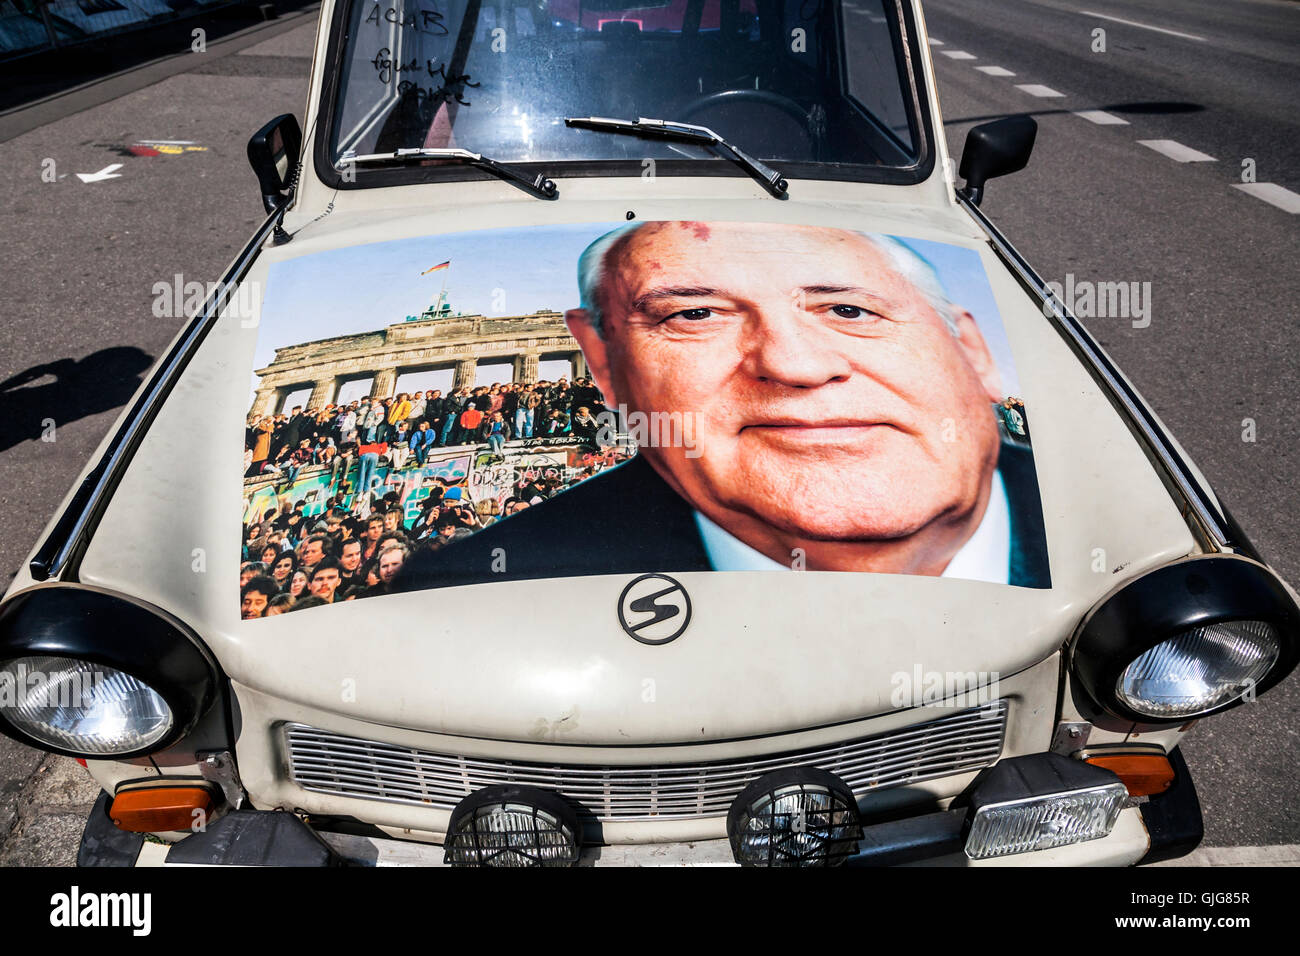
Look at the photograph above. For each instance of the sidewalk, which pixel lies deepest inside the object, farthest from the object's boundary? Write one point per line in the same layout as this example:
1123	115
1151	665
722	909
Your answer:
39	89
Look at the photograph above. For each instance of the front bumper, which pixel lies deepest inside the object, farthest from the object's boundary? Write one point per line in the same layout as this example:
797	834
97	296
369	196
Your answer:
931	840
1164	827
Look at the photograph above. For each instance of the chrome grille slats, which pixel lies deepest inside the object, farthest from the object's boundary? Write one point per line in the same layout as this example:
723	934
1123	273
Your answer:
338	746
325	762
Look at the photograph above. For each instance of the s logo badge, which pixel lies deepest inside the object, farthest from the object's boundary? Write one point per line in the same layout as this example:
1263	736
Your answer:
654	609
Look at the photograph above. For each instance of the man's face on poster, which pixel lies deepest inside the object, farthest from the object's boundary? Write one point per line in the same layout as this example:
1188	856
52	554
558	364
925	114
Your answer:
831	400
312	552
253	605
390	562
351	557
323	583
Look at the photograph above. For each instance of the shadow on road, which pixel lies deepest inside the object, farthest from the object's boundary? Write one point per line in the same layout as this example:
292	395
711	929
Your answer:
81	387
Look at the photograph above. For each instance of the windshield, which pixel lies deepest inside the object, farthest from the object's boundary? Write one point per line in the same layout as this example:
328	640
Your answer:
796	81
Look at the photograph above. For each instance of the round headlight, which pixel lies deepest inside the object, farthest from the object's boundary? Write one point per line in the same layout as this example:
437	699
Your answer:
512	826
1200	669
1185	640
799	816
76	705
70	684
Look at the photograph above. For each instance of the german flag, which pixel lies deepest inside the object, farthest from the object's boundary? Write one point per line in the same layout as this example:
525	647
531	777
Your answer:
438	268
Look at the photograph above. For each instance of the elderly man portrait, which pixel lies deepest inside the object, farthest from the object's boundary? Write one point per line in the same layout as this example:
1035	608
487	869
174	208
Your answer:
843	413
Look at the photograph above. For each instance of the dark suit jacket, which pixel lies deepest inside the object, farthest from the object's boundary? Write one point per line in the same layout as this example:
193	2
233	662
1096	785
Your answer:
627	520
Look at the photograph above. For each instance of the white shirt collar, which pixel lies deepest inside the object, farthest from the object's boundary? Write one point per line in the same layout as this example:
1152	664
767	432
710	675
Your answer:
986	556
728	553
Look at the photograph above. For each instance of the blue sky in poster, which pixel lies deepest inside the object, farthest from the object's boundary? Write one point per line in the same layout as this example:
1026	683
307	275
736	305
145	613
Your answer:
364	288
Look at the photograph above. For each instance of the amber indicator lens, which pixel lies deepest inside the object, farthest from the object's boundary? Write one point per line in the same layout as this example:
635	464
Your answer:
160	808
1143	774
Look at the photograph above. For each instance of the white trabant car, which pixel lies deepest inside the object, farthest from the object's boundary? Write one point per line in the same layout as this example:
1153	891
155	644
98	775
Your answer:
624	442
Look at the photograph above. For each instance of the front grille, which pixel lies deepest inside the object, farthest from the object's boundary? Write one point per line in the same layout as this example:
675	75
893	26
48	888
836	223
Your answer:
326	762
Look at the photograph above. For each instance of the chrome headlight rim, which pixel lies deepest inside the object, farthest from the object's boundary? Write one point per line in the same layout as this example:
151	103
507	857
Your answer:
68	621
1166	602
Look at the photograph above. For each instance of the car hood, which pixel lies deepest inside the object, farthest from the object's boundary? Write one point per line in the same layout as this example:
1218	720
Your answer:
557	655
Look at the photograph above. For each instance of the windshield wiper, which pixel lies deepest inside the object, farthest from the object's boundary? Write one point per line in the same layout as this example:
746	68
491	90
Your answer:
772	181
538	185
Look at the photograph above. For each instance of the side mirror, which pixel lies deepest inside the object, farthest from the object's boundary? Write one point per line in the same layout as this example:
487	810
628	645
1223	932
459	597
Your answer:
273	153
996	149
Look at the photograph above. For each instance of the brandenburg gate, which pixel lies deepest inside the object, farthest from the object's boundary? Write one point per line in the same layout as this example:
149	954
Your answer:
431	342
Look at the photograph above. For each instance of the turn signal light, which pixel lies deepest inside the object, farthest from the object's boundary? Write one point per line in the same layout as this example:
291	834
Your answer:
156	809
1143	774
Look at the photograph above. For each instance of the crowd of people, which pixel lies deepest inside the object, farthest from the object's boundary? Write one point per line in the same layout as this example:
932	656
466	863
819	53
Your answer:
292	561
408	426
358	542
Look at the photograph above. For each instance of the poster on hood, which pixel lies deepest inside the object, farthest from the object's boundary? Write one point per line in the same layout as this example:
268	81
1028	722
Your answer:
613	398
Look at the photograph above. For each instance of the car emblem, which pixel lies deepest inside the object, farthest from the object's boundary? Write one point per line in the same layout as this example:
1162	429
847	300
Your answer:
654	609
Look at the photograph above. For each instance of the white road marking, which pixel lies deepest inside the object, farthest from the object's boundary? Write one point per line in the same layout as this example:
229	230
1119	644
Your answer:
1144	26
1036	89
1102	118
994	71
1273	194
958	54
108	172
934	42
1177	151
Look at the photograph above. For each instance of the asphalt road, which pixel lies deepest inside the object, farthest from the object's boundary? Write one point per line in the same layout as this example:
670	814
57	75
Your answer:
1220	347
1094	203
79	327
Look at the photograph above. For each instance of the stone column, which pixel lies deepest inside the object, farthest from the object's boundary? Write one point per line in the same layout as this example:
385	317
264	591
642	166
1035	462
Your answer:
528	369
323	392
384	383
464	377
579	363
264	401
